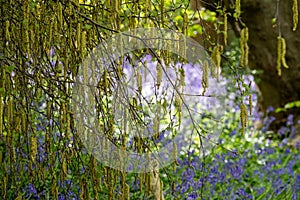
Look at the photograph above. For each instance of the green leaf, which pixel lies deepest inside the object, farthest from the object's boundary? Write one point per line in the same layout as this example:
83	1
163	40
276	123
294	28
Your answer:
87	26
289	106
280	110
10	68
292	105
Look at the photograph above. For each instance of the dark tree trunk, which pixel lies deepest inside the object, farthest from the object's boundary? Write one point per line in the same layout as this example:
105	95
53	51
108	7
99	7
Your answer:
275	90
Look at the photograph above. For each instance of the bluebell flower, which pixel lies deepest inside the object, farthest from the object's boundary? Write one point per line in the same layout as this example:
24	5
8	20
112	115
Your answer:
192	196
233	132
31	191
270	109
282	131
267	123
290	120
188	174
242	193
236	171
260	190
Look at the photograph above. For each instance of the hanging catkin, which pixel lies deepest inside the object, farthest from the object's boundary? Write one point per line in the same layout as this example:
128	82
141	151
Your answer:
162	15
243	117
60	15
279	48
7	35
295	14
237	8
26	13
216	58
64	166
178	105
50	33
183	47
225	28
250	104
185	23
4	185
24	114
281	51
78	35
83	43
139	81
10	113
182	77
85	73
68	125
1	98
156	126
175	152
33	146
159	73
204	81
244	47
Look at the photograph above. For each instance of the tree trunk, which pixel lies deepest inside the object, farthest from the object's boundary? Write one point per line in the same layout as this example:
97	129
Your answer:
275	90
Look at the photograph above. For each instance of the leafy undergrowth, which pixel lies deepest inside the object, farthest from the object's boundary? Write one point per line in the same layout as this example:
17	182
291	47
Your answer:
241	167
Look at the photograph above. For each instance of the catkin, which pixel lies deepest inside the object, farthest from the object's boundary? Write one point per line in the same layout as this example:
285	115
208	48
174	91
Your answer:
156	126
38	11
78	35
159	73
4	185
27	44
162	5
7	36
178	101
185	23
127	192
243	117
178	105
216	58
295	14
139	81
64	166
237	8
182	47
225	28
205	77
60	15
174	151
85	74
83	43
10	113
50	31
33	147
161	195
182	77
147	7
279	52
244	47
250	104
283	52
82	188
